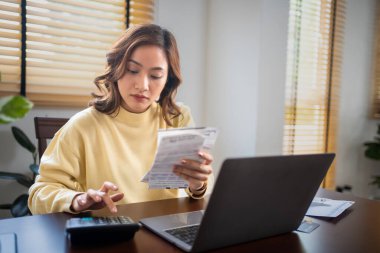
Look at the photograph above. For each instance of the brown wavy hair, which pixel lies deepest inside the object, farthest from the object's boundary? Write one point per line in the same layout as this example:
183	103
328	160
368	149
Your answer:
108	100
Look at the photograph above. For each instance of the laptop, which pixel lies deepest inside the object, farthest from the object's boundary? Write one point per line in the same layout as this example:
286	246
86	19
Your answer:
253	198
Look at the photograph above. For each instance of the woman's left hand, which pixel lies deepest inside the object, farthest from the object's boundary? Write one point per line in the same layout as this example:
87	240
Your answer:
195	172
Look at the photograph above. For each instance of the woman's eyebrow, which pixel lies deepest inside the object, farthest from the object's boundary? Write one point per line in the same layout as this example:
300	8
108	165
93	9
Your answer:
139	64
135	62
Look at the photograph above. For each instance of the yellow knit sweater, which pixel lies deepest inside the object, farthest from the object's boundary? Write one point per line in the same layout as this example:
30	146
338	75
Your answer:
94	147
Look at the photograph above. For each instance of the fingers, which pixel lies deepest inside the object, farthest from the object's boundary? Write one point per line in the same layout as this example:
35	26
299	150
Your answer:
117	196
195	166
199	172
109	203
81	202
89	200
96	199
208	158
107	186
76	204
94	196
102	195
193	171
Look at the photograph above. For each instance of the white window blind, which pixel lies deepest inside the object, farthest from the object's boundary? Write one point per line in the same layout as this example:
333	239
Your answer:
66	45
10	47
313	76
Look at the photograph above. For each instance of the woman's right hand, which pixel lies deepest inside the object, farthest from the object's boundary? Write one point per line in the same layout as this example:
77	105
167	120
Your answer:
97	199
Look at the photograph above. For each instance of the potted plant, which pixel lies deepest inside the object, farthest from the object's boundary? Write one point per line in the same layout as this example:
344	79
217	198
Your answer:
13	108
372	151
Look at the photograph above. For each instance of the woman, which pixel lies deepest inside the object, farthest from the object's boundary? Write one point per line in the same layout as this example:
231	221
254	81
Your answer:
111	145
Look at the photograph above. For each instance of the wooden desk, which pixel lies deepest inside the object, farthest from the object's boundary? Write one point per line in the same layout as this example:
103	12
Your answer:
356	230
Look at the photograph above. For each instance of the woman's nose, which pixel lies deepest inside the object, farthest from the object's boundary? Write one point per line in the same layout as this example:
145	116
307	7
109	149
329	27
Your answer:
142	83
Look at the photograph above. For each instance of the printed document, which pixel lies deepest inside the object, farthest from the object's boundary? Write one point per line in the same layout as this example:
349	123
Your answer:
323	207
173	146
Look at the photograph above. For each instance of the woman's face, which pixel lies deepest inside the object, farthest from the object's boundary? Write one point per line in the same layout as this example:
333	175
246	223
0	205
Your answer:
144	79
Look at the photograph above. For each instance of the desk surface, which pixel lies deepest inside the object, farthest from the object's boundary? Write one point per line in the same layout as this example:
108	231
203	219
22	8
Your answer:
356	230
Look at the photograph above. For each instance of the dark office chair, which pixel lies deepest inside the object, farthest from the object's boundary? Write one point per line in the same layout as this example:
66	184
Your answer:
45	130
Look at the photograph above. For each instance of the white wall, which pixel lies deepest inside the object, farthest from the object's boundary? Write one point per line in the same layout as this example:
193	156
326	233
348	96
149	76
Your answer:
232	76
186	20
233	57
355	126
272	76
246	57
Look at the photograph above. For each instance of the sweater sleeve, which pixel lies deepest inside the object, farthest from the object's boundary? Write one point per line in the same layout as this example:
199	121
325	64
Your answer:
60	176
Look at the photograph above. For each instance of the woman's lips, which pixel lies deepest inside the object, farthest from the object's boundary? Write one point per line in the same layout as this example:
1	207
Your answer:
140	98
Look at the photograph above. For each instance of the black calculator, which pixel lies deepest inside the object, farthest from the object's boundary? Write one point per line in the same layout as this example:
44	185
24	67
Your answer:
97	230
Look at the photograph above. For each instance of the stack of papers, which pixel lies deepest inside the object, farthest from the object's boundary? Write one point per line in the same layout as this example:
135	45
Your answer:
174	145
323	207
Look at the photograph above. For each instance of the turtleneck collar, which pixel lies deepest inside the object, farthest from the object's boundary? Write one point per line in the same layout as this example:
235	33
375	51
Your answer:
137	118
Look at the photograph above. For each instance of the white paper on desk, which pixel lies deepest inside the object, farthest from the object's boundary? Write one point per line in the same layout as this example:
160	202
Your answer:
323	207
173	146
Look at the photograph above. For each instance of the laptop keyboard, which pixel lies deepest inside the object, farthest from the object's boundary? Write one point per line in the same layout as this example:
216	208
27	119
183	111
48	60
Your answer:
186	234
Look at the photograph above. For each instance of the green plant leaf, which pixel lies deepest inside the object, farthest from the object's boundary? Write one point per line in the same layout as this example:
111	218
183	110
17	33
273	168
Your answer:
376	181
23	140
13	108
20	178
19	207
372	152
34	168
5	206
371	144
5	120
